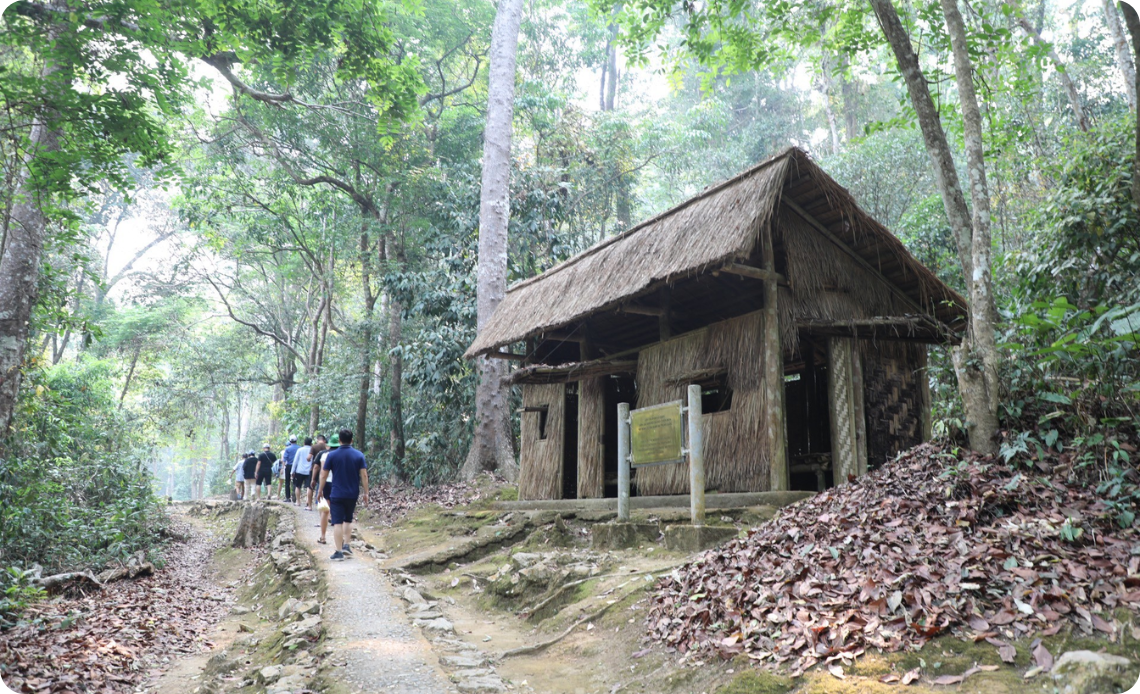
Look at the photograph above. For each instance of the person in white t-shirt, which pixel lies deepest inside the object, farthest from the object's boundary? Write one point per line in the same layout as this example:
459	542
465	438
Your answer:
302	467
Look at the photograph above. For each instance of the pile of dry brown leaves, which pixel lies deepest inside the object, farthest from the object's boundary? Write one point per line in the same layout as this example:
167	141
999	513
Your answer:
391	502
110	640
926	544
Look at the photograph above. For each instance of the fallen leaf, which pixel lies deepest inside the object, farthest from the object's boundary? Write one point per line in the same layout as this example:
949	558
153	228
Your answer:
836	671
1043	657
911	676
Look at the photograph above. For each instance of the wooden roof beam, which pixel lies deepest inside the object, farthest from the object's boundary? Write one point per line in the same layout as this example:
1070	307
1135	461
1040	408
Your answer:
755	273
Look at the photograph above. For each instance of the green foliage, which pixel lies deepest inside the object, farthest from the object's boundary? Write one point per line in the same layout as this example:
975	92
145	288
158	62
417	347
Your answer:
18	592
74	492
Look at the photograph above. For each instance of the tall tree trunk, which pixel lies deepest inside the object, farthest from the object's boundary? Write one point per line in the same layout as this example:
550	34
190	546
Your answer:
1132	21
1120	47
365	340
20	267
827	86
396	444
493	445
130	375
945	175
850	92
978	364
1067	82
976	361
611	72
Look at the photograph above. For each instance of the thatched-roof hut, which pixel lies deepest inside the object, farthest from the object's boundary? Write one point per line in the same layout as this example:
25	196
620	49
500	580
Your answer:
804	320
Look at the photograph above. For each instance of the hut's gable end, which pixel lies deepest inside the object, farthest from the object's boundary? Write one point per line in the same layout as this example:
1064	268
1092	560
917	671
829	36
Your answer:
543	438
825	283
736	447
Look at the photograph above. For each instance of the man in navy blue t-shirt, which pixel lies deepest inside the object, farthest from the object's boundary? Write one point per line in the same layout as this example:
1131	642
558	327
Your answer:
349	473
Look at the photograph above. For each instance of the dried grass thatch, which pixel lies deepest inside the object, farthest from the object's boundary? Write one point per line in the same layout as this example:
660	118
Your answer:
710	230
736	446
591	432
540	464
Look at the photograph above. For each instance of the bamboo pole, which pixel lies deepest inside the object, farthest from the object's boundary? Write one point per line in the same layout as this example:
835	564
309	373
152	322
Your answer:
773	371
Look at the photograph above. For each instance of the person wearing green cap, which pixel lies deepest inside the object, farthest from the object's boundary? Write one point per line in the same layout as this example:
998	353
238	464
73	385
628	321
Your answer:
324	487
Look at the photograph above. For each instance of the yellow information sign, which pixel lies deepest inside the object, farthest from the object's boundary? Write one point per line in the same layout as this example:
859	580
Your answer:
655	435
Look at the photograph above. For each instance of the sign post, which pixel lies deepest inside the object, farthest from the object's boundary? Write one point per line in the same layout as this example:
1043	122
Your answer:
656	436
623	462
696	458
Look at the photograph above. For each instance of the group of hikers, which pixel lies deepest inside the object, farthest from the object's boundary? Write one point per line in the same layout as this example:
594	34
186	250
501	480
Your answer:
332	470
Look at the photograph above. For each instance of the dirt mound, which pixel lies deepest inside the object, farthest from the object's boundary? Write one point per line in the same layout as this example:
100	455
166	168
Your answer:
926	544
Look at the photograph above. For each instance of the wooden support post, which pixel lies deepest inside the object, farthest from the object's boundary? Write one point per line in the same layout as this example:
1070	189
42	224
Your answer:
623	462
696	457
664	325
773	370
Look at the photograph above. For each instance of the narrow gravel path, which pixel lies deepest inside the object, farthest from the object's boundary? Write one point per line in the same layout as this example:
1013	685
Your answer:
375	647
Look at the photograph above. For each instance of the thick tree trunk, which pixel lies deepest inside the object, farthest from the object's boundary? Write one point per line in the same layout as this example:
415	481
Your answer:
493	448
20	269
945	175
827	86
1132	21
1120	47
976	361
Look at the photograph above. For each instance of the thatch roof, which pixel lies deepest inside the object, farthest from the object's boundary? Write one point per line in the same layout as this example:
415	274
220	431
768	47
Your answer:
715	228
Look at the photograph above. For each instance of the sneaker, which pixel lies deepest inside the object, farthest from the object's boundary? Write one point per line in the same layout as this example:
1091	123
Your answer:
337	556
346	549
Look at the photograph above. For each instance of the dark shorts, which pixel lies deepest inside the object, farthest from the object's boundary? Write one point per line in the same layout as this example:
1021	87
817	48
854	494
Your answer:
265	478
341	510
300	481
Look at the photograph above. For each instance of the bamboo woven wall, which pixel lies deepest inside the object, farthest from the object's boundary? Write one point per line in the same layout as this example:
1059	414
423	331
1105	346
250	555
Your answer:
736	447
540	460
894	397
591	444
825	282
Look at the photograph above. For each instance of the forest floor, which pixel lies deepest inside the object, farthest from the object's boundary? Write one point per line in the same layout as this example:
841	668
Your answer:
447	593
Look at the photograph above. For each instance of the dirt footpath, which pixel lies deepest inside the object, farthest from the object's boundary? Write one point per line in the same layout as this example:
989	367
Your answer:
371	644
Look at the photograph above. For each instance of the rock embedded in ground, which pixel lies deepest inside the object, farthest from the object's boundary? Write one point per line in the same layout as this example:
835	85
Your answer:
1087	672
270	674
288	608
462	661
288	685
309	627
439	625
523	560
487	684
412	595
